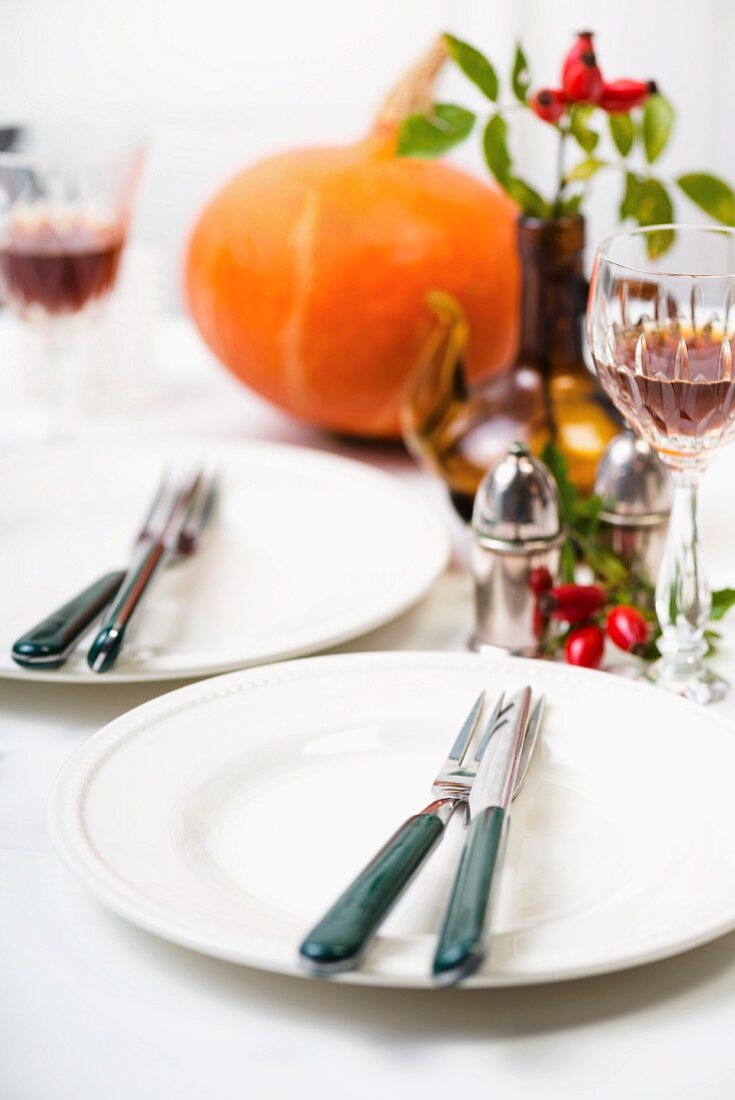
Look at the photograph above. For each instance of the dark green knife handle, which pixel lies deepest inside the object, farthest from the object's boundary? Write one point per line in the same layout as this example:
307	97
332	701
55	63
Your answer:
48	644
464	936
338	941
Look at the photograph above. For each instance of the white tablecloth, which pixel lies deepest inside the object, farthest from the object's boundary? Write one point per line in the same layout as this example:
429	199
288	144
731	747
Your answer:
92	1009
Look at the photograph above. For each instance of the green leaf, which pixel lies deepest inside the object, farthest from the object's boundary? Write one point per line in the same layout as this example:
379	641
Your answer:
722	601
584	136
474	65
531	203
656	205
711	194
603	562
651	651
569	207
432	134
568	561
622	132
649	203
558	466
585	169
589	507
580	516
521	77
659	210
498	158
632	196
495	146
658	119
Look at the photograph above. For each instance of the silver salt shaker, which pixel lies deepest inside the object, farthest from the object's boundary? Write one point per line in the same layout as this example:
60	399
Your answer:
636	489
516	529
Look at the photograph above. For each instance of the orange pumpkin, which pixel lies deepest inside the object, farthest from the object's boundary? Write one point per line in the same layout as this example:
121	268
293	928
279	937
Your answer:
307	275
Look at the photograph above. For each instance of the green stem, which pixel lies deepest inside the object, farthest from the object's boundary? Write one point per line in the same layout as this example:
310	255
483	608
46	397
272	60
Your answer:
560	180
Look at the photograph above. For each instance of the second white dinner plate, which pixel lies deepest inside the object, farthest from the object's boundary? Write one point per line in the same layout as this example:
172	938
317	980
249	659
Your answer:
305	550
228	815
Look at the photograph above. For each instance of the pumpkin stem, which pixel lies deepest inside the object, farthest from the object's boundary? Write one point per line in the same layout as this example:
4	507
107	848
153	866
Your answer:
414	92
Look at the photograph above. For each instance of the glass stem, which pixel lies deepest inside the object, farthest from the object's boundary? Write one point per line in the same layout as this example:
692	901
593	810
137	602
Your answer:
62	379
683	601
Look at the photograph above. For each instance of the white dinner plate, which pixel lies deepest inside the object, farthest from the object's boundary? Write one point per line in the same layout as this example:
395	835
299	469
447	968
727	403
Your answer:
305	551
227	815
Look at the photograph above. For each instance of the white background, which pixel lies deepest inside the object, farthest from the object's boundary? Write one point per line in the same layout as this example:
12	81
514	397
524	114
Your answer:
220	83
93	1010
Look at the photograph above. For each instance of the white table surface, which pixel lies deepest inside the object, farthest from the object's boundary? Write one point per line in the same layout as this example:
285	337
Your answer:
93	1009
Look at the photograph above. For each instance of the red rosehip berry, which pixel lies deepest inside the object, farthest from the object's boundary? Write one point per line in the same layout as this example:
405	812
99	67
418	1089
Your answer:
621	96
581	76
572	603
548	104
540	580
583	83
582	44
585	646
628	629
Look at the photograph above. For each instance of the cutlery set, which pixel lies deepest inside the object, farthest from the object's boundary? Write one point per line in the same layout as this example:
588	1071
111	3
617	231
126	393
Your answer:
171	531
483	773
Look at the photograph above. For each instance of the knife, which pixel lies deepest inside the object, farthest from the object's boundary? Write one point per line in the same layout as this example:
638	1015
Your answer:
49	643
338	941
463	940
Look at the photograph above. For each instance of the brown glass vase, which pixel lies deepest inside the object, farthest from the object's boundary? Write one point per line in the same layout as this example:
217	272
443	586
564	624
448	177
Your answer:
547	393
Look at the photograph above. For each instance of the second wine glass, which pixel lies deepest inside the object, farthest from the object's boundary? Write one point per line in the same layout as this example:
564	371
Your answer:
662	335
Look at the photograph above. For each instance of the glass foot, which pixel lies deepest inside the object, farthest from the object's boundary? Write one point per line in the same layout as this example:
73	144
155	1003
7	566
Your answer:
696	682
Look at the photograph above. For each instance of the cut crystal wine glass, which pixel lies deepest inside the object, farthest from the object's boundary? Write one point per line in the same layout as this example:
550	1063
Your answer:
662	335
66	191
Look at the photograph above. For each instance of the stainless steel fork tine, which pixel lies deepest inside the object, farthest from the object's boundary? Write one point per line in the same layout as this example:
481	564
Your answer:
199	514
464	737
188	488
193	482
202	505
210	497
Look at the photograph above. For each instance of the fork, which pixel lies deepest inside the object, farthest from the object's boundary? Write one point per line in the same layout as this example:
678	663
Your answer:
51	642
177	502
338	941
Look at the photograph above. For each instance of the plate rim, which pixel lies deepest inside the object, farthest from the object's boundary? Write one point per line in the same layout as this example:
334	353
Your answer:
74	847
438	553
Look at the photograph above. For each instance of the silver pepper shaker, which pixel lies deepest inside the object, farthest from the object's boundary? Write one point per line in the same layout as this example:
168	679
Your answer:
516	530
636	489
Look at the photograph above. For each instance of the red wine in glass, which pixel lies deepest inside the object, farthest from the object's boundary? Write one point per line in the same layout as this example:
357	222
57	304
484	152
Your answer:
674	384
51	265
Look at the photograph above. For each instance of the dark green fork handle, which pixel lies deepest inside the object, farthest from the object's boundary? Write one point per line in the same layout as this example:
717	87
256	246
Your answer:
463	940
338	941
108	641
48	644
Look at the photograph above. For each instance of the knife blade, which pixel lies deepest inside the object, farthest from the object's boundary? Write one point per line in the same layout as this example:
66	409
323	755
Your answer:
464	936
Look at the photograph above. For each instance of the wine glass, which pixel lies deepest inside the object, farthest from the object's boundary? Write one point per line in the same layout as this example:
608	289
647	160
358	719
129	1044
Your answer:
66	191
661	333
